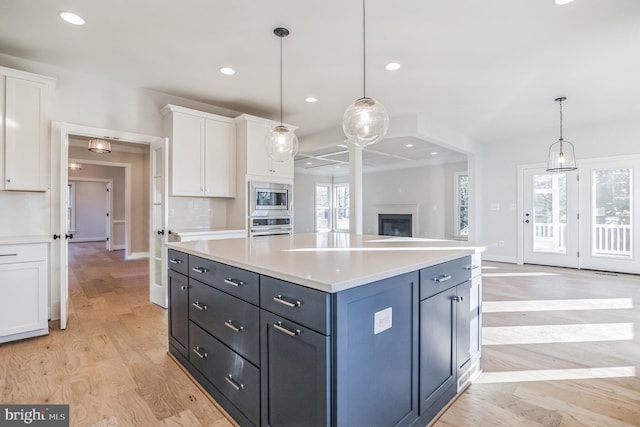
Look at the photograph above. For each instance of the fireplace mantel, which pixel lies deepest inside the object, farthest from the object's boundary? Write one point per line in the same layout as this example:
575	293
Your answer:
397	208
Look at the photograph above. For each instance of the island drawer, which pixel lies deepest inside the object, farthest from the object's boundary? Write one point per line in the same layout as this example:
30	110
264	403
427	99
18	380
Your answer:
231	320
178	261
303	305
235	281
236	378
443	276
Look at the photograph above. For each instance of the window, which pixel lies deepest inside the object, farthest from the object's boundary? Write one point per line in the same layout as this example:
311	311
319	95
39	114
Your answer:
332	207
323	207
341	206
461	204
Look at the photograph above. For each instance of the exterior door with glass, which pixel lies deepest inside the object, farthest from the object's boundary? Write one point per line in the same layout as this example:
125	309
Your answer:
550	217
609	211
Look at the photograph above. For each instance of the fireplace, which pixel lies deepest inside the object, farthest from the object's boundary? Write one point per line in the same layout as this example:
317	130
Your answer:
395	225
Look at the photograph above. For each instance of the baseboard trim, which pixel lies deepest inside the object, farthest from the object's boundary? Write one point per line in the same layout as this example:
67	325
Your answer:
87	239
499	258
138	255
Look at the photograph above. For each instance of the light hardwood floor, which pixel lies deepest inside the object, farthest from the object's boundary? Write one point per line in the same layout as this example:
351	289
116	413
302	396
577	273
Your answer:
547	361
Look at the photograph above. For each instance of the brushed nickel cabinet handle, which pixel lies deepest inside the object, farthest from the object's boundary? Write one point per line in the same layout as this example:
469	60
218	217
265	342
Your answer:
281	328
199	306
8	254
175	261
200	355
442	278
229	324
233	282
457	298
199	269
238	386
471	267
283	301
184	288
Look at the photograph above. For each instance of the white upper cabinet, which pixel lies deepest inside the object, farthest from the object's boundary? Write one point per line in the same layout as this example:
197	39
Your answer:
25	143
202	153
251	135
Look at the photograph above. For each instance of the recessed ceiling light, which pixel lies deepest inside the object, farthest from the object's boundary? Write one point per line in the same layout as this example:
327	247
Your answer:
309	163
311	99
408	145
434	153
392	66
561	2
227	71
71	17
337	167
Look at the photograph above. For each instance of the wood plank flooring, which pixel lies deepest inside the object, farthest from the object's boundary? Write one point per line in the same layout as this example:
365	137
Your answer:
111	364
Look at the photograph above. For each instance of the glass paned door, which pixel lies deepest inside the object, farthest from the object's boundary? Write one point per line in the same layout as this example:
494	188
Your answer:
550	225
610	208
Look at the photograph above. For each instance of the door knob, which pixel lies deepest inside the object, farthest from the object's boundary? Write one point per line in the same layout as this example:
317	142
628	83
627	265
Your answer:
527	221
56	236
68	236
160	232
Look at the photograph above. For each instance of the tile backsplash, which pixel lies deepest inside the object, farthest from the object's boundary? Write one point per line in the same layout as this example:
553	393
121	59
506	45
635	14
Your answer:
197	213
25	213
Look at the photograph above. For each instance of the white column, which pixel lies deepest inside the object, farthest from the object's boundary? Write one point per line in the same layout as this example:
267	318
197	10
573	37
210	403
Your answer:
355	189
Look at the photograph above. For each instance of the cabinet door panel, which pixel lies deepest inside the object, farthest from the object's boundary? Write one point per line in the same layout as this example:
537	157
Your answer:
437	365
27	149
186	155
463	325
23	295
179	312
294	373
220	159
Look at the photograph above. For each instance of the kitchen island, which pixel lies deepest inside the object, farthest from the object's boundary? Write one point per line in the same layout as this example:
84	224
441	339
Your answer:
328	329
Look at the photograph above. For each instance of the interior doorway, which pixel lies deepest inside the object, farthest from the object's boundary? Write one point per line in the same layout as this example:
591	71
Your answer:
90	204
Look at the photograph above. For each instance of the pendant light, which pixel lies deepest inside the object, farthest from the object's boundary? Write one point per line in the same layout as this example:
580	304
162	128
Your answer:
562	157
281	143
366	121
99	146
74	166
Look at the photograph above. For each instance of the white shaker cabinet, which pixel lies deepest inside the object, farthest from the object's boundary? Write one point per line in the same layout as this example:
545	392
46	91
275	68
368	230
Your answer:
23	291
251	132
202	154
25	135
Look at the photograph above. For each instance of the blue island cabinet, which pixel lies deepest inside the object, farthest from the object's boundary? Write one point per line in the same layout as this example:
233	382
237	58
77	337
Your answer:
390	353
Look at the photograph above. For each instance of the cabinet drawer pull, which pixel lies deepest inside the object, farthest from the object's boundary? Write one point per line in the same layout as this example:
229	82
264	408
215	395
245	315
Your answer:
281	328
200	355
457	298
281	300
233	282
200	270
175	261
229	324
238	386
471	267
442	278
199	306
8	254
184	288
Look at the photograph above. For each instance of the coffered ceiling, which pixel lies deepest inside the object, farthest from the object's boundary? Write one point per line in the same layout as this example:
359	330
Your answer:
486	69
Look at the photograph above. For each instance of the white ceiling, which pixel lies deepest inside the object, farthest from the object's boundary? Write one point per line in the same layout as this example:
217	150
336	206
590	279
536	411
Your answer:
486	69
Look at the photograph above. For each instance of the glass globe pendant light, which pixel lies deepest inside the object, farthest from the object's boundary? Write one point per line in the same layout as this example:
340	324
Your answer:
366	121
562	157
280	142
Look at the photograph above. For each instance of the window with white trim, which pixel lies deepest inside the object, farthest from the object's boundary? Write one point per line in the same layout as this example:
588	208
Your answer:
332	207
461	211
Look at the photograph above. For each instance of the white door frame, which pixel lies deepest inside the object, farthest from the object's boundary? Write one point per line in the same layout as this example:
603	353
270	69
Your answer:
60	132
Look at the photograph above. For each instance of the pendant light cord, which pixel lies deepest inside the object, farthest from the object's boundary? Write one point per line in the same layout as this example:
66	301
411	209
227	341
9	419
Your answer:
364	52
560	120
281	81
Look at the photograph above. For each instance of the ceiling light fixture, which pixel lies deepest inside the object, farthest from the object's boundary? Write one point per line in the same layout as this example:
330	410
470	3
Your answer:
99	146
75	166
392	66
227	71
434	153
311	99
562	157
409	145
281	143
71	17
561	2
366	121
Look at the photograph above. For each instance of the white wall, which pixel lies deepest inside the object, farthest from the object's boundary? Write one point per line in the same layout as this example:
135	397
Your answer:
499	164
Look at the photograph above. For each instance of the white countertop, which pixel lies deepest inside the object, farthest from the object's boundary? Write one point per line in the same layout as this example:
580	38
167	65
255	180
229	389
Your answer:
330	262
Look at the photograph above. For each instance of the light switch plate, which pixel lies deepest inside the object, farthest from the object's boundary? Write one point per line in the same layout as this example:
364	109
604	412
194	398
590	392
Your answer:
382	320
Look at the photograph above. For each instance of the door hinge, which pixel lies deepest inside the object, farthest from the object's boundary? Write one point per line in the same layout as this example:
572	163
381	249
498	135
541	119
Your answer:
107	239
578	254
577	216
107	213
578	178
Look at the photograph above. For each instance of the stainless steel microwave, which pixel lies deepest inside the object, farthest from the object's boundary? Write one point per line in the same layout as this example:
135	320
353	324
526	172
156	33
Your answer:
269	199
